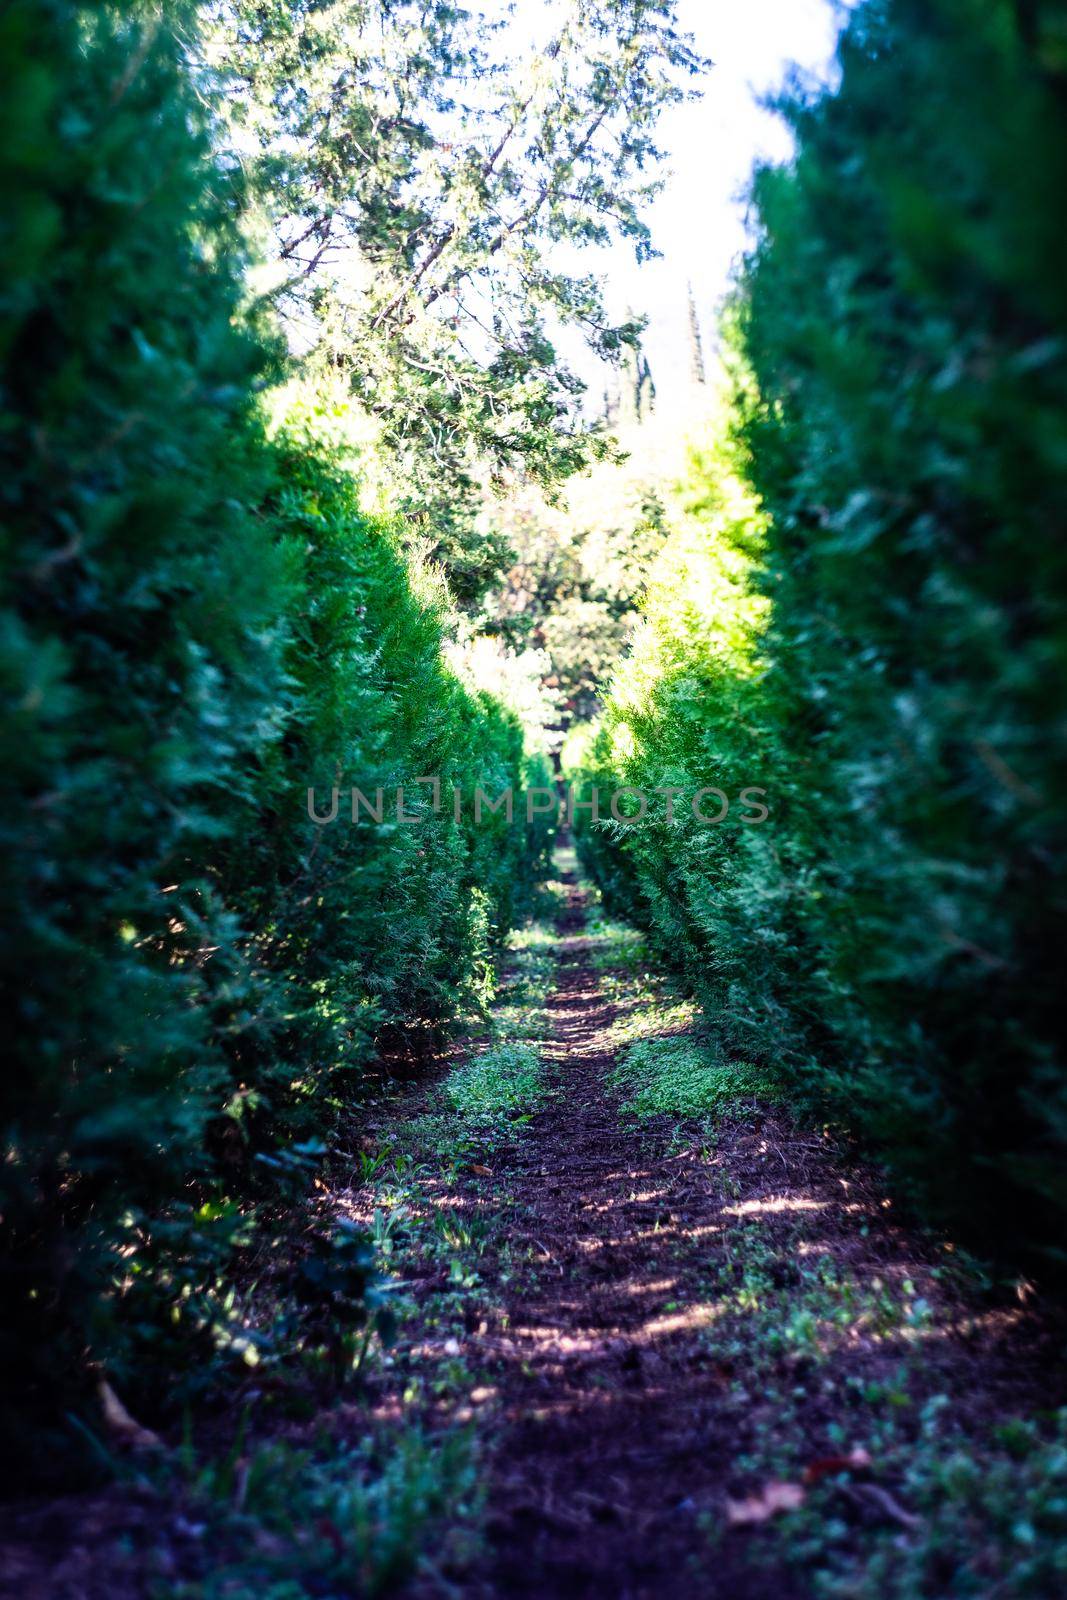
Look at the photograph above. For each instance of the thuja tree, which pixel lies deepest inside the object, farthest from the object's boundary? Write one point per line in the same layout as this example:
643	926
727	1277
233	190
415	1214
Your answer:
688	707
419	167
385	926
197	622
889	939
139	640
905	318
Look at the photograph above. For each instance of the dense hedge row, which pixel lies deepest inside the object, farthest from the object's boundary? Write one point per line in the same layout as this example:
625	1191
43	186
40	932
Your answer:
196	624
890	939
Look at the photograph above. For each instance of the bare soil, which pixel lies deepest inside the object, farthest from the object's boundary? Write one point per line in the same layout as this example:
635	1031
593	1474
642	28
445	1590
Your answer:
629	1400
621	1432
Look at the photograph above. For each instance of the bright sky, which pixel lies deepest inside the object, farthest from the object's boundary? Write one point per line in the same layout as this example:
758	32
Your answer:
698	223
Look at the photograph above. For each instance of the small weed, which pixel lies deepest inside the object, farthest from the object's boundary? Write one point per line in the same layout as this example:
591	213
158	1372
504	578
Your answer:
989	1516
331	1518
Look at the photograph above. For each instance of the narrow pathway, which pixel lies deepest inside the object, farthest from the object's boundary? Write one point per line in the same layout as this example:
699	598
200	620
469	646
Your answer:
696	1359
609	1390
704	1324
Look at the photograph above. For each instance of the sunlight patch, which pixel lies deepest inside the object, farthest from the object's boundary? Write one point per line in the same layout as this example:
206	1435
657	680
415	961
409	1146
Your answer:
750	1208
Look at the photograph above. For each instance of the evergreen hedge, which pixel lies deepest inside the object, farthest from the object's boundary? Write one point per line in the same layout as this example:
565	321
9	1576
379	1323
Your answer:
197	623
889	940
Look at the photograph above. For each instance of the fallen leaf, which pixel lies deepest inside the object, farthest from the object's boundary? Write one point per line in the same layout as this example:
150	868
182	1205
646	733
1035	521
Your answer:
480	1171
856	1461
121	1425
772	1498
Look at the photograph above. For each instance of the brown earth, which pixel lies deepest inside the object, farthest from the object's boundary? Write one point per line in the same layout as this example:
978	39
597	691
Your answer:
639	1399
608	1389
622	1432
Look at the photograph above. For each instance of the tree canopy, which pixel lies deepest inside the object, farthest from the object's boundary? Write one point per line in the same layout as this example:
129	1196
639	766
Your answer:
428	177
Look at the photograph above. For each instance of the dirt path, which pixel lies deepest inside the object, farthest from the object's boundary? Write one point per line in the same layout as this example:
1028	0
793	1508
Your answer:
650	1392
607	1393
692	1358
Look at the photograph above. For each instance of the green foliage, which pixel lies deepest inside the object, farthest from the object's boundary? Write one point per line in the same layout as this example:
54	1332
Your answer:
918	588
577	569
680	1077
394	921
993	1518
503	1081
419	165
336	1517
197	623
142	634
882	646
687	709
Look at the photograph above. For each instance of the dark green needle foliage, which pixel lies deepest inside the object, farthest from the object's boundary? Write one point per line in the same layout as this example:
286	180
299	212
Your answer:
197	623
142	635
908	343
892	938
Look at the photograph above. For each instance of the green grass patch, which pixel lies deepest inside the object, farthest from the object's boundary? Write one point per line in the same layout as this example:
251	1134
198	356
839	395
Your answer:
616	945
481	1102
504	1080
680	1077
654	1015
519	1011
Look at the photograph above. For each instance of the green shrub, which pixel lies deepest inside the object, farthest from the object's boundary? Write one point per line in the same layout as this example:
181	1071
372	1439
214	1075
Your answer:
140	648
888	942
197	624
